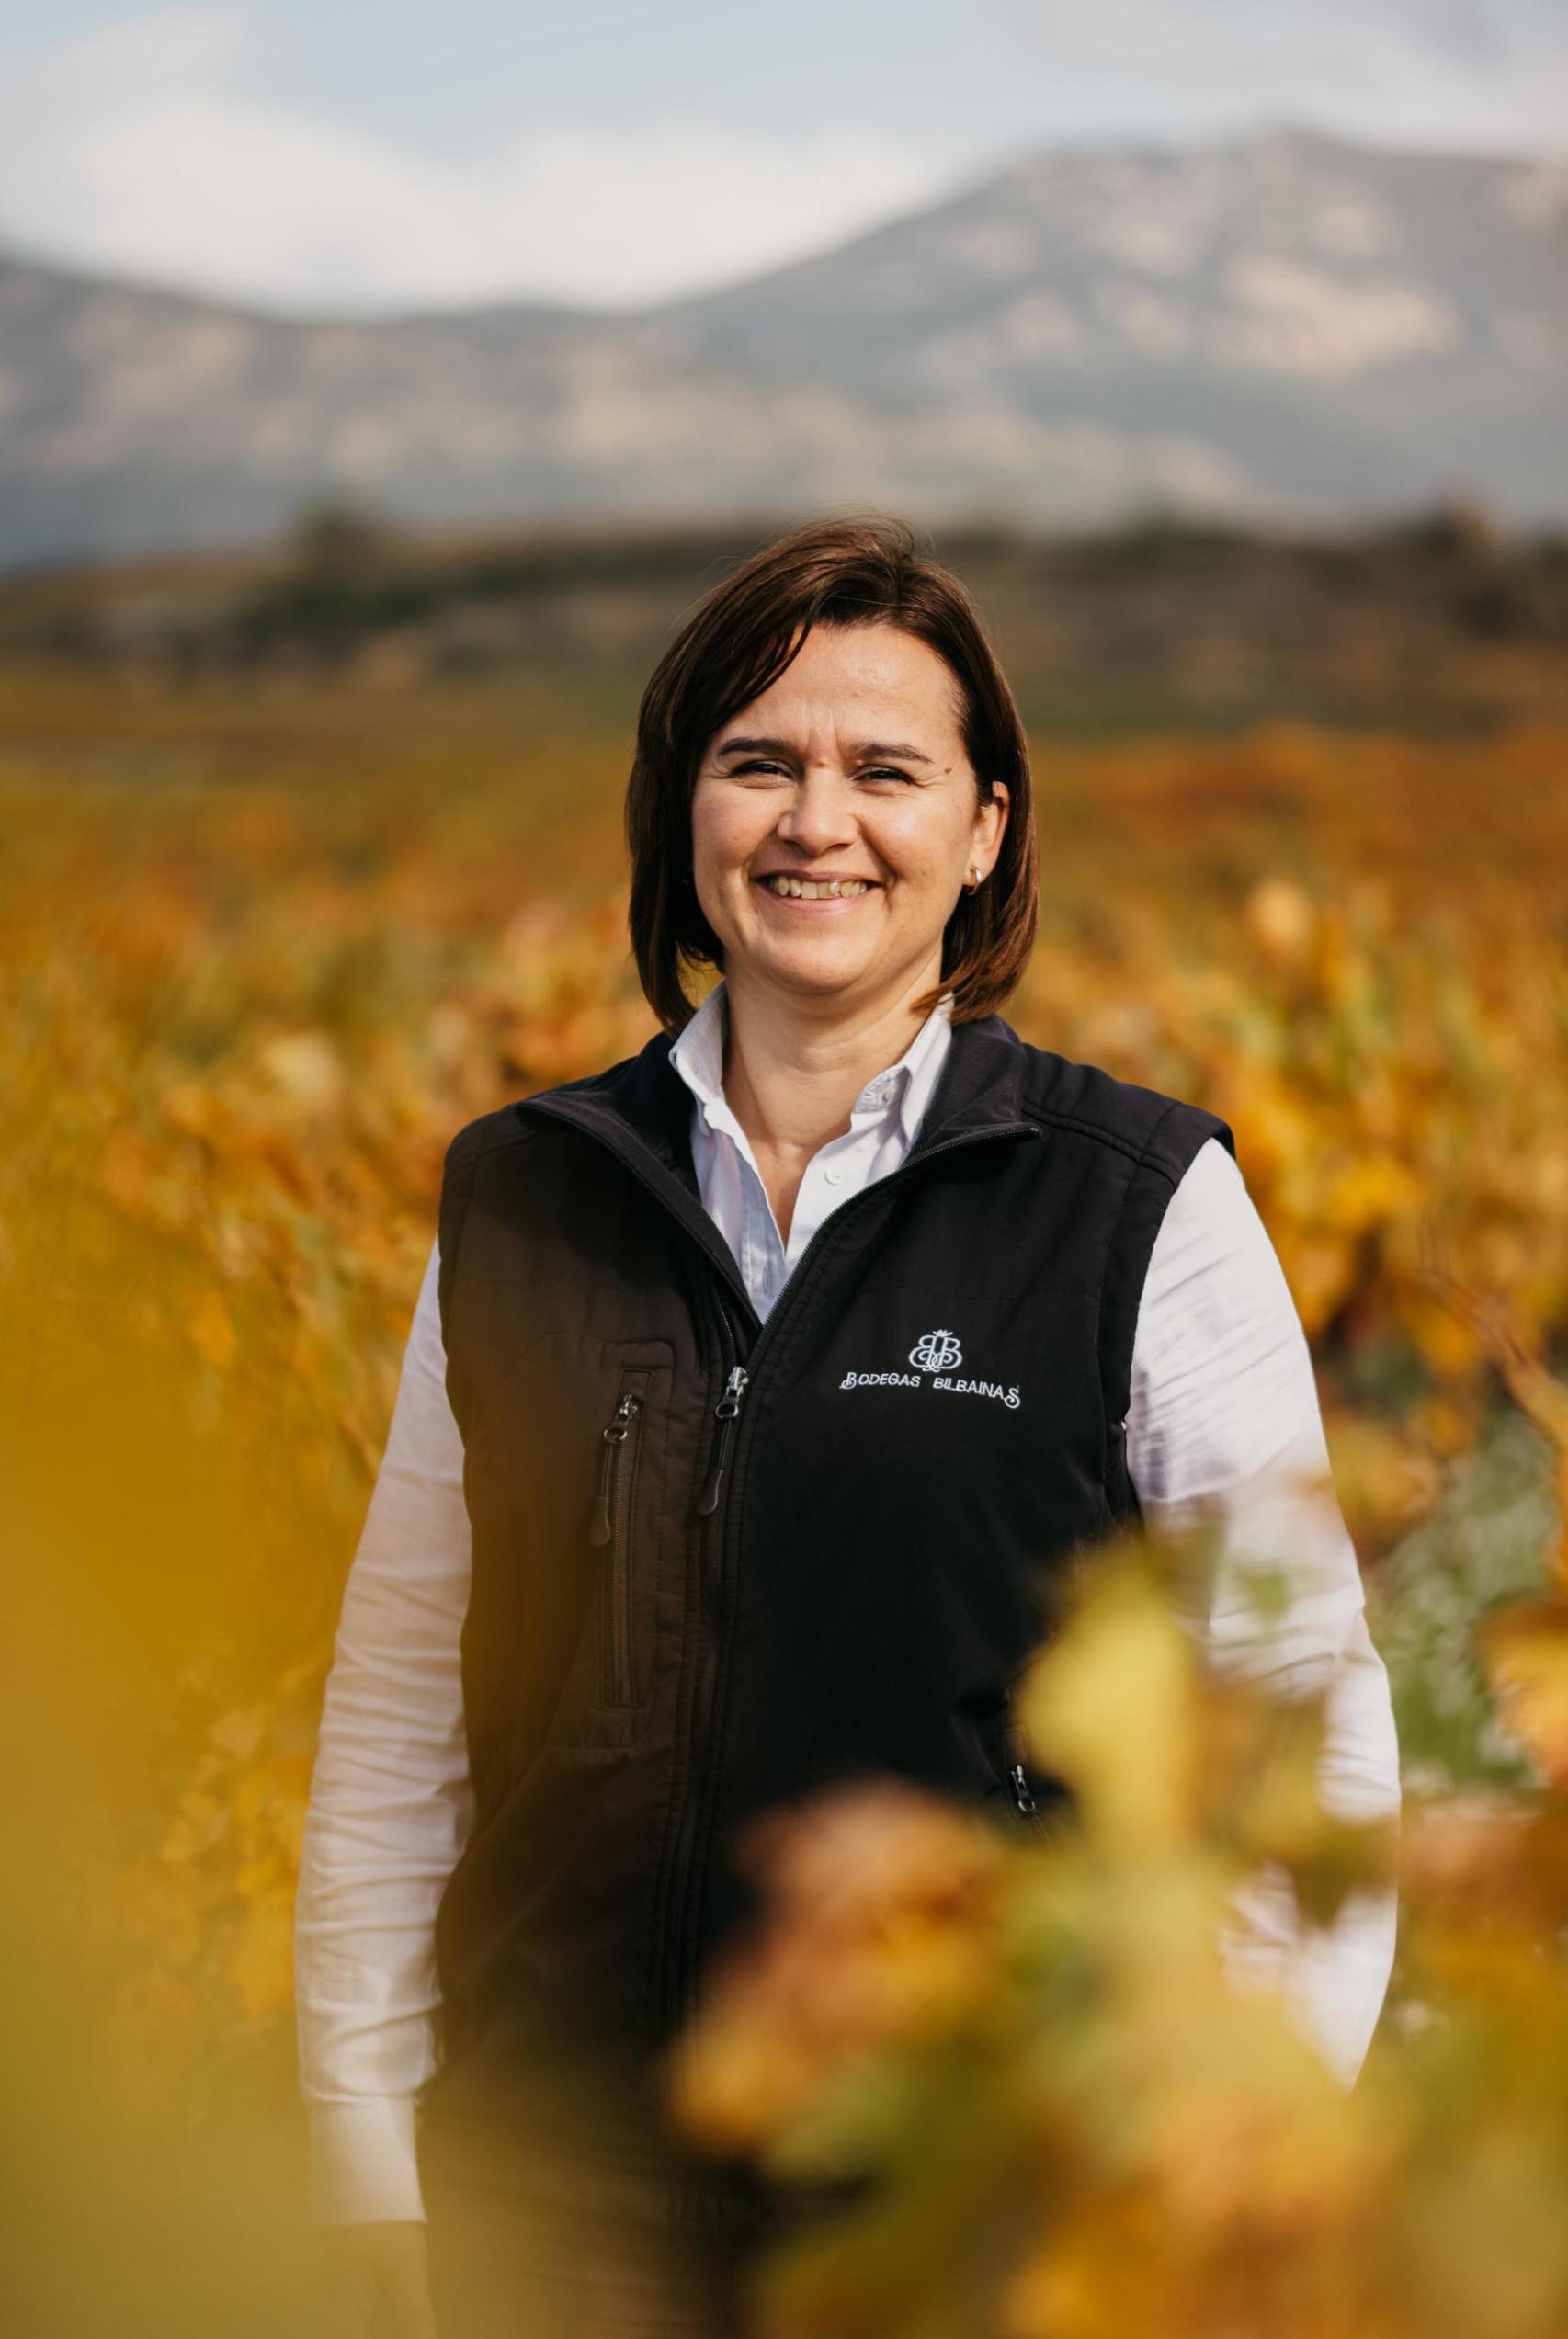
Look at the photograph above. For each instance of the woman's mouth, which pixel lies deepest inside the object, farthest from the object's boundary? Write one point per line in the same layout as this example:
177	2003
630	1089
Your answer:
800	889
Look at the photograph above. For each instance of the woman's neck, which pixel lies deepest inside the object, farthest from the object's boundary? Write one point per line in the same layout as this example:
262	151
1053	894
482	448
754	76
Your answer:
790	1079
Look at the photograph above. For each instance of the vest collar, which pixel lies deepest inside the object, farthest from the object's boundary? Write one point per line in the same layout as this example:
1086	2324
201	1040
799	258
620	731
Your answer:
643	1100
641	1109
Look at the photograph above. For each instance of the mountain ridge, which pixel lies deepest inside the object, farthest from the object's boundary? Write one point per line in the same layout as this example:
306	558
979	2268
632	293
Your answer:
1284	326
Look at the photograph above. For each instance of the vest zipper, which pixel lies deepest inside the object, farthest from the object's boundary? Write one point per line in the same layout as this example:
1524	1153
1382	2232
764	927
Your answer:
611	1522
724	1412
685	1887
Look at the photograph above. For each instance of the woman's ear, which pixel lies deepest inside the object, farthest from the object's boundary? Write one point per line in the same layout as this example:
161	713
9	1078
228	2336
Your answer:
991	818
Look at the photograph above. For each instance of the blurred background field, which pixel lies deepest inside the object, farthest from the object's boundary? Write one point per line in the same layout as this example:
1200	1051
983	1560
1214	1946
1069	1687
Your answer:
313	856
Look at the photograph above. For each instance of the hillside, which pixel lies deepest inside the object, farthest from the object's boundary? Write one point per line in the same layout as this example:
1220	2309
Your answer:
1281	326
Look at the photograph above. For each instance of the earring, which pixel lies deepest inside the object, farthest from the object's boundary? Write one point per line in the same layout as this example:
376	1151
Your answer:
973	885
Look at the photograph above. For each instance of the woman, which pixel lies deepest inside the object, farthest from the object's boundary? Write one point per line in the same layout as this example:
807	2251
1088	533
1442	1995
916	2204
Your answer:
758	1389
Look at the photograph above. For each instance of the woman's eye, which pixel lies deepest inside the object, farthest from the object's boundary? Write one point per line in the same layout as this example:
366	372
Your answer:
878	771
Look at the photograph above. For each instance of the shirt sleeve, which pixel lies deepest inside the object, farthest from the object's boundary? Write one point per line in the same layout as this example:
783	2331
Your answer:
1224	1426
390	1810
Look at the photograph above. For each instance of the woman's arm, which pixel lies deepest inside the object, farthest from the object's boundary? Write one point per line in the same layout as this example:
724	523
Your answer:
1224	1420
390	1810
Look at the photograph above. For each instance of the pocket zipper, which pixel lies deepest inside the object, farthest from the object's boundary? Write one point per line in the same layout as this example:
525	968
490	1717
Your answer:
1018	1783
1022	1796
610	1524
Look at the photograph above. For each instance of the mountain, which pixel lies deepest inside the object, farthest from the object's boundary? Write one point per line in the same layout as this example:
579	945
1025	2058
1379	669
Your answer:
1281	326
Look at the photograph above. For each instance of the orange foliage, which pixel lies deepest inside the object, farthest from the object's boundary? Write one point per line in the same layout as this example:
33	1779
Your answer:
243	1015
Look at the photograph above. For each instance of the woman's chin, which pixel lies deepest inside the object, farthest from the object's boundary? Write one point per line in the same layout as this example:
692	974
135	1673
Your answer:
810	965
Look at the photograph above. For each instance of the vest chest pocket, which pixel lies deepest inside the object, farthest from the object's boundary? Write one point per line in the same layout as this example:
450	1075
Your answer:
613	1546
576	1603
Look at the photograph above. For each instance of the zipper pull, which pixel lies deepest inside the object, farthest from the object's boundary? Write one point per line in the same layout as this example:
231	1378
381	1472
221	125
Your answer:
615	1437
1017	1775
724	1412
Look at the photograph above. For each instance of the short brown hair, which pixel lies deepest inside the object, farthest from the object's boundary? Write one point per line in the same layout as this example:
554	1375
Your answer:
737	641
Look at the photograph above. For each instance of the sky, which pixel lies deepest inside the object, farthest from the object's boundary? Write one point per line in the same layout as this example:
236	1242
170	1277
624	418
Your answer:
333	157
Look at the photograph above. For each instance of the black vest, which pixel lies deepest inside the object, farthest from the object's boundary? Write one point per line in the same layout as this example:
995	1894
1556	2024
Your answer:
718	1564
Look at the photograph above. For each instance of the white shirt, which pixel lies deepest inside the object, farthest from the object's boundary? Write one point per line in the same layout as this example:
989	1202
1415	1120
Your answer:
1223	1421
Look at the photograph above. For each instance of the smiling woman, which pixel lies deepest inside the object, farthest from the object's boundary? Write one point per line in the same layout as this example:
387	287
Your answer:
827	875
880	743
763	1390
819	820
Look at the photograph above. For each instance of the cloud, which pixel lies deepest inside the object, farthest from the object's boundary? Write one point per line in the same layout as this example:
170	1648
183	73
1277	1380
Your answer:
136	148
1472	73
142	148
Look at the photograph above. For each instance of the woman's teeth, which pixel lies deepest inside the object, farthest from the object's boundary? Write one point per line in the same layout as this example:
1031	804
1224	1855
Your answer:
823	889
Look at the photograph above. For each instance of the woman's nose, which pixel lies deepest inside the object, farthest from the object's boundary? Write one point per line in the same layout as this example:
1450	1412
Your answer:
819	813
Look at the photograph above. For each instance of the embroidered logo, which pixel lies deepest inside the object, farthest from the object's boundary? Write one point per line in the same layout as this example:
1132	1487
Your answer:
935	1354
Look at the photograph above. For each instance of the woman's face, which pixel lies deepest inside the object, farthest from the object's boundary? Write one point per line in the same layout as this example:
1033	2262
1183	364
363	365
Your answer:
850	766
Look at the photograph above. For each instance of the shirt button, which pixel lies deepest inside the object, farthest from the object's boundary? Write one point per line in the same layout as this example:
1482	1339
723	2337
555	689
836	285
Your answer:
834	1176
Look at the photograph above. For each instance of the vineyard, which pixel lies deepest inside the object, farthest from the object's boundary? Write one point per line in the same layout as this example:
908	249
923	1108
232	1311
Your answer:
270	934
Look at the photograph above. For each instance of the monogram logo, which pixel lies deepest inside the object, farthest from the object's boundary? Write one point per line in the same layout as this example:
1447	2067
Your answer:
937	1353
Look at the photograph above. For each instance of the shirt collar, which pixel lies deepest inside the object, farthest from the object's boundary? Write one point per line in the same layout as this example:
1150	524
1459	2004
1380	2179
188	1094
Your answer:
698	1054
